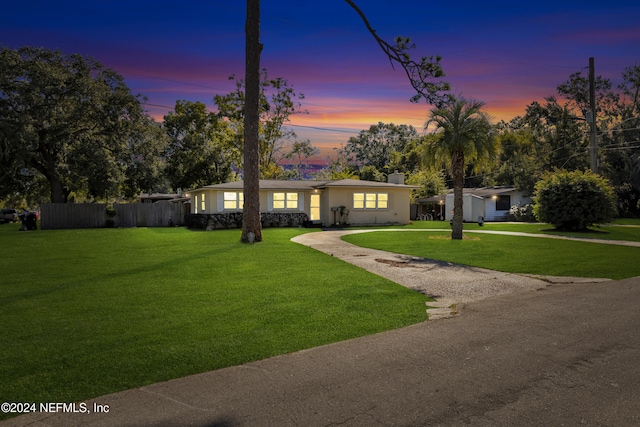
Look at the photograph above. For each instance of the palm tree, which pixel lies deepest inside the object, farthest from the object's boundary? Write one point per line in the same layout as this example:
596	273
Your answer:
463	134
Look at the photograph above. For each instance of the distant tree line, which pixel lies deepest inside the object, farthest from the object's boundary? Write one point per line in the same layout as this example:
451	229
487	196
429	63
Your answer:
551	135
70	129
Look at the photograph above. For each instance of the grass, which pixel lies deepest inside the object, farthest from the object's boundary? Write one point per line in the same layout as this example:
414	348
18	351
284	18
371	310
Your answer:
526	255
90	312
610	232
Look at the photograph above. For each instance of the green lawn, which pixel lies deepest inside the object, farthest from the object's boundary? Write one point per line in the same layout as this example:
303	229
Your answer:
624	229
90	312
528	255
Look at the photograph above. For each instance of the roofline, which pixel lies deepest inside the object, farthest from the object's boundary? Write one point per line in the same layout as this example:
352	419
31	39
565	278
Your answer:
305	185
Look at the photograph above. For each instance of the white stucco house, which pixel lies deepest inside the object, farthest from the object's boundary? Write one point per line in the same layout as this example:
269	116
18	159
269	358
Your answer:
490	203
326	203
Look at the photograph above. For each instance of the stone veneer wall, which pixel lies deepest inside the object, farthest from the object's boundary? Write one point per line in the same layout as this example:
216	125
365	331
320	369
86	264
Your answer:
234	220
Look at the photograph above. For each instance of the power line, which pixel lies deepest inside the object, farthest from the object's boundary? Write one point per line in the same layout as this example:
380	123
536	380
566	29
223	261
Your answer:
286	125
324	129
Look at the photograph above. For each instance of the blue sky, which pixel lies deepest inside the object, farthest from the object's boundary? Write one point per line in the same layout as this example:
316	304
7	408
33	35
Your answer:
505	53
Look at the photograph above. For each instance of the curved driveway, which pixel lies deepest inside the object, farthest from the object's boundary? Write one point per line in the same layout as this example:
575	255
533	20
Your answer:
449	284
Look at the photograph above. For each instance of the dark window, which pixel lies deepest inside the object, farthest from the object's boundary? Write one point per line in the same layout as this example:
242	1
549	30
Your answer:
503	203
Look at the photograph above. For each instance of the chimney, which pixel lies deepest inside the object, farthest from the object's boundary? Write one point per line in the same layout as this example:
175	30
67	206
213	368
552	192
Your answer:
396	178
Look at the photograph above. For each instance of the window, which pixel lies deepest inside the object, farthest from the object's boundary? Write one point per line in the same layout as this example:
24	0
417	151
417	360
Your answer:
503	203
383	200
233	200
203	206
370	200
285	200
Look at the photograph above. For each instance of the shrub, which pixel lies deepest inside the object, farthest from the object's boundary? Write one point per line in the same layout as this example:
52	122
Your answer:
521	213
574	200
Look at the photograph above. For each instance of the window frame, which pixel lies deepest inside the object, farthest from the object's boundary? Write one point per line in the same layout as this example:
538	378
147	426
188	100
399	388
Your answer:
238	200
370	201
290	200
501	199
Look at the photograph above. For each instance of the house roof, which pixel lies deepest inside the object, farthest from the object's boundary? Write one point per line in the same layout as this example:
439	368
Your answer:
487	191
265	184
361	183
173	197
483	192
433	199
302	185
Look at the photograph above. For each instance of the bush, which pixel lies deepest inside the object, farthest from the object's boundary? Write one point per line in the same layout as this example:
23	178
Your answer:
574	200
521	213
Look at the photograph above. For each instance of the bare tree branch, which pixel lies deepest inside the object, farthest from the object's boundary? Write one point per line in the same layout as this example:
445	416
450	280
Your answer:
422	75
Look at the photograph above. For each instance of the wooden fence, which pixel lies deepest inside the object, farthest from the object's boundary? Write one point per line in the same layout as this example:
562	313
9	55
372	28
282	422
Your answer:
71	215
159	214
94	215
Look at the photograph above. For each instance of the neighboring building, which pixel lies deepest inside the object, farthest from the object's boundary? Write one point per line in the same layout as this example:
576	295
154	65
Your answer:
490	203
158	197
326	203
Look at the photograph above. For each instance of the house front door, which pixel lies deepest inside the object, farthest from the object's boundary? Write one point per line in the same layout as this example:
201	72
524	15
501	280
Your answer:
314	208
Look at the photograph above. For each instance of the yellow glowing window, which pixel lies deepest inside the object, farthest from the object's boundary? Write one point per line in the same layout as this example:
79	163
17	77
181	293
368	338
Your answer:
370	200
358	200
383	200
203	205
233	200
292	200
285	200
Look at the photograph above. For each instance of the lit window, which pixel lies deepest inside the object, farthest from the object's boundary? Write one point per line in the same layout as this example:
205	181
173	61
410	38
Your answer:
203	206
233	200
383	200
358	201
285	200
370	200
292	200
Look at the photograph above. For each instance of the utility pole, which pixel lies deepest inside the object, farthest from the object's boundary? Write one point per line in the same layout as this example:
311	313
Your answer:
591	118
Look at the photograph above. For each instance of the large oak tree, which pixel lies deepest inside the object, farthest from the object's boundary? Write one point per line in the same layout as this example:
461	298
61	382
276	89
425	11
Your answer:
65	118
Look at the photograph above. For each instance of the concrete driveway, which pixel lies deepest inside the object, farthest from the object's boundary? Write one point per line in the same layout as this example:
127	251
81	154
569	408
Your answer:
451	285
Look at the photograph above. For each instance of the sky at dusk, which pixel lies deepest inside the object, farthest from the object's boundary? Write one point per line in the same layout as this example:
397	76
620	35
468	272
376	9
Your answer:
505	53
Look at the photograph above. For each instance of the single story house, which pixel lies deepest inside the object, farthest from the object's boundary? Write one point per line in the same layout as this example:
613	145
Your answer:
488	203
326	203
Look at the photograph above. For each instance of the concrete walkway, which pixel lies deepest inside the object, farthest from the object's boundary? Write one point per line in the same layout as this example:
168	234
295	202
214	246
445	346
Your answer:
451	285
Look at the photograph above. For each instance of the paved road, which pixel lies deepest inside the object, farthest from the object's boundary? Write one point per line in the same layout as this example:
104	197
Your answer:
563	354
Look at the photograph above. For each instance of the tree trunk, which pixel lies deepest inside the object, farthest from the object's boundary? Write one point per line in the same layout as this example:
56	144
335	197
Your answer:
251	225
58	193
457	170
